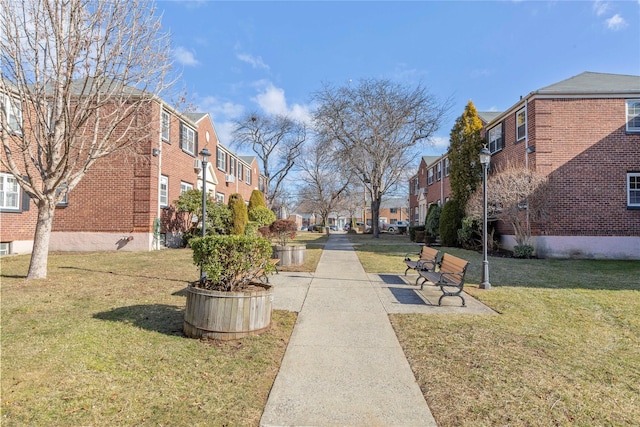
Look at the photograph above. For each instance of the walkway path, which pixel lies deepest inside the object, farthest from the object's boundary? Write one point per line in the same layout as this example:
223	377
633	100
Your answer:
344	365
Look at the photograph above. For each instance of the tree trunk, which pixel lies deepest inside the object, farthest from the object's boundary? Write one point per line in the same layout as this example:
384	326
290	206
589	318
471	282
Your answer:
375	215
39	255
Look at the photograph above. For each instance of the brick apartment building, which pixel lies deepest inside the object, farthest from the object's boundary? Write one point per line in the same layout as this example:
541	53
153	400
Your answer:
584	133
125	201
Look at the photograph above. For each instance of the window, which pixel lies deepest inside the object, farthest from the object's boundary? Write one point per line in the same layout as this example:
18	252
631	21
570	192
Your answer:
65	198
439	171
633	115
5	248
430	177
220	197
232	166
185	186
496	143
240	171
633	190
164	191
416	186
13	109
248	177
187	139
165	121
221	160
521	124
9	192
393	210
447	166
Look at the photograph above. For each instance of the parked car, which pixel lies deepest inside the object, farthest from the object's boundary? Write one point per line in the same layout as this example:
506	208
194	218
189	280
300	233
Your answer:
398	227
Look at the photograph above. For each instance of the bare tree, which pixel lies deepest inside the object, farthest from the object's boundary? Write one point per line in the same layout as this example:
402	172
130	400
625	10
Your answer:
376	126
515	195
74	76
325	183
277	141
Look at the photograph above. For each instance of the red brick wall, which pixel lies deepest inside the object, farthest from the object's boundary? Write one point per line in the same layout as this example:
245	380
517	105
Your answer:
583	146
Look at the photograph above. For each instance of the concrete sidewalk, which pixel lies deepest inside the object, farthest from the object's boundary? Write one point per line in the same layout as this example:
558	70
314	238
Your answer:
343	365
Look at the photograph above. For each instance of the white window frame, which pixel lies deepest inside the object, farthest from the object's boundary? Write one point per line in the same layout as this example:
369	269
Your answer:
633	115
220	197
416	186
430	176
438	171
165	125
221	160
494	137
164	191
248	175
232	166
633	190
188	140
185	186
7	189
13	110
447	166
5	248
240	171
522	112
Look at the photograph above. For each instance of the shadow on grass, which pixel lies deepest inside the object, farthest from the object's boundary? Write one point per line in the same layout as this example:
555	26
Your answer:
163	318
125	274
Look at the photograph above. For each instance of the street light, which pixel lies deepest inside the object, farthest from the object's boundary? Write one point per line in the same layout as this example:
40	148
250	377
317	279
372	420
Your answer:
485	159
197	167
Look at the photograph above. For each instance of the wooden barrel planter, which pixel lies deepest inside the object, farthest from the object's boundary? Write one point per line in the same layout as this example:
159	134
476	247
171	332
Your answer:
227	315
290	255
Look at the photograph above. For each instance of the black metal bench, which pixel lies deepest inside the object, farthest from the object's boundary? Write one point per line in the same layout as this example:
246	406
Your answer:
427	261
449	277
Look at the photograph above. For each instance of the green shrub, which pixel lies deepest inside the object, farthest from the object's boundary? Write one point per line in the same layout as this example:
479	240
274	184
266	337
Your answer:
231	262
239	214
412	231
470	233
262	215
451	222
432	221
523	251
252	229
218	215
256	200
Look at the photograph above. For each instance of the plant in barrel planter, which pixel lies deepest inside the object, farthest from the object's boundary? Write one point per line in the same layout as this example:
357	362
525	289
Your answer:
282	231
230	301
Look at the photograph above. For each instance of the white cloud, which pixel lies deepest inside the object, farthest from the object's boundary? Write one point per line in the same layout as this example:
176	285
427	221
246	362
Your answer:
600	7
254	61
440	143
223	114
616	22
185	57
272	100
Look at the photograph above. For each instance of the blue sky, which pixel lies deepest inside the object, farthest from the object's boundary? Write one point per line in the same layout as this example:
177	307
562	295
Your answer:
270	57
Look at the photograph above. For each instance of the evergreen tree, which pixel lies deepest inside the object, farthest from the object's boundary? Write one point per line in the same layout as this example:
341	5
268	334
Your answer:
256	200
465	145
239	214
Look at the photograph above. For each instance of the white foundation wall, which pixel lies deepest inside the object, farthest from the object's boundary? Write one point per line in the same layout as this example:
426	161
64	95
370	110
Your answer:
84	241
19	247
582	247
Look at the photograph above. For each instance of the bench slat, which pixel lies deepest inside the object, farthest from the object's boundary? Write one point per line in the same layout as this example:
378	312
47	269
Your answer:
450	275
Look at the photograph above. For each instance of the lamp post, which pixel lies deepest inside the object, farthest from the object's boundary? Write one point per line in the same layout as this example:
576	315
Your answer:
485	159
197	167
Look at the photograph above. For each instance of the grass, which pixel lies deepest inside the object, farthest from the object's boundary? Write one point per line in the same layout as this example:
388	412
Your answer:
99	342
563	351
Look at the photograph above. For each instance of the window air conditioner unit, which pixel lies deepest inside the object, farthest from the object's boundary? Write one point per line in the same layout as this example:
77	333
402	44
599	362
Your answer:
230	178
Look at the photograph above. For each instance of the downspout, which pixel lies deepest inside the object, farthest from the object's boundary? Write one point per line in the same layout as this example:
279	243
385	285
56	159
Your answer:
441	181
526	133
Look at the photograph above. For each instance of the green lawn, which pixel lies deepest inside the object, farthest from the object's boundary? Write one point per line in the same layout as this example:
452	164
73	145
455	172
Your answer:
565	349
100	343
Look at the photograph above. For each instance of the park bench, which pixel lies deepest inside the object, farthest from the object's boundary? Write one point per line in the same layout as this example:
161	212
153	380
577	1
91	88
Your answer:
449	277
427	260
